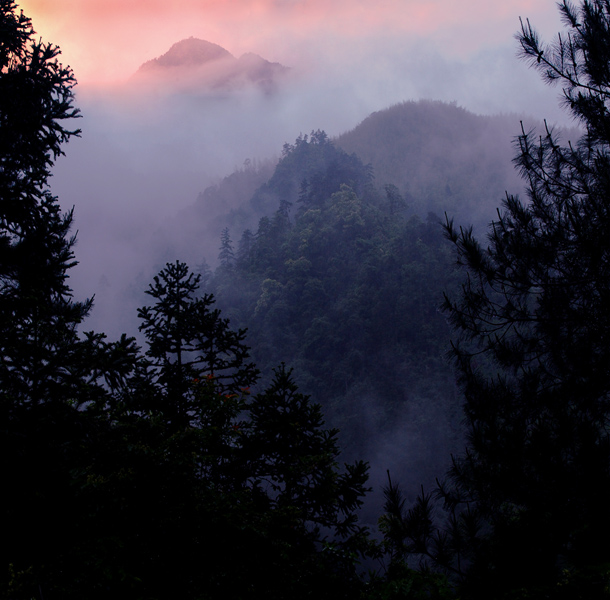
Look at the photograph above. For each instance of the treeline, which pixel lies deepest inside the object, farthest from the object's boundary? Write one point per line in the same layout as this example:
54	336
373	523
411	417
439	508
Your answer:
344	283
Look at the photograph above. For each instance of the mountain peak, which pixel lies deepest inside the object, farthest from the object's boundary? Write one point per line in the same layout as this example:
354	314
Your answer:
191	52
197	65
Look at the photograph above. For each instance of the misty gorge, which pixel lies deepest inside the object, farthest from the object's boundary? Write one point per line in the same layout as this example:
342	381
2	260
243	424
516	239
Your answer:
265	336
362	319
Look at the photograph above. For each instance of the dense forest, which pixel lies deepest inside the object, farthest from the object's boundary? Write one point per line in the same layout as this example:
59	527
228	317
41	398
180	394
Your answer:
343	282
351	334
440	157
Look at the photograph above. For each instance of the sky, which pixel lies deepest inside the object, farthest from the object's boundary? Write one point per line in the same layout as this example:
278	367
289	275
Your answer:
106	40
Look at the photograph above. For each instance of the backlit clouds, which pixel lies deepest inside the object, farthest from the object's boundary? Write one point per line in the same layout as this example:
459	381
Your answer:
106	40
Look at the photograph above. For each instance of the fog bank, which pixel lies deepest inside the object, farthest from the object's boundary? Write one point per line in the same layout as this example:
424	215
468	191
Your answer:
146	153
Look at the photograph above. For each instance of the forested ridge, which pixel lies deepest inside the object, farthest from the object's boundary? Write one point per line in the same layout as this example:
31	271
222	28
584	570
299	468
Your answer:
343	282
208	462
440	157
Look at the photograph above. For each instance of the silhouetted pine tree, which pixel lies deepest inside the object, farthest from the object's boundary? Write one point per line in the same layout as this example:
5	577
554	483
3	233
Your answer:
49	374
37	315
528	499
189	341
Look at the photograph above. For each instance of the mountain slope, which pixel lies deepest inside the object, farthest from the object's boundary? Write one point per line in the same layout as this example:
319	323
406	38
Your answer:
442	158
344	285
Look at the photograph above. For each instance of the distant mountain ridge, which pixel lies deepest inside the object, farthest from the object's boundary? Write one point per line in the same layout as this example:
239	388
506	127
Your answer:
198	65
443	158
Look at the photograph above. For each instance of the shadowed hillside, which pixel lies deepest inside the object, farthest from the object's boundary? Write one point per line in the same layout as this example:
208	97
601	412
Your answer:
440	156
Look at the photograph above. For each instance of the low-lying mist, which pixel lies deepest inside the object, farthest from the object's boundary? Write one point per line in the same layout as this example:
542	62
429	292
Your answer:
146	152
146	181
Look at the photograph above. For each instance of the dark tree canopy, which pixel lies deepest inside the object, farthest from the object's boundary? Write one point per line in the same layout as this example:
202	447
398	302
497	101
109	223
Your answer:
528	499
36	314
135	475
224	491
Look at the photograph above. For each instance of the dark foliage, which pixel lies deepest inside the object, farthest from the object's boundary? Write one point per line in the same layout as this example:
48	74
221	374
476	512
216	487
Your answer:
527	501
144	476
217	497
345	286
36	315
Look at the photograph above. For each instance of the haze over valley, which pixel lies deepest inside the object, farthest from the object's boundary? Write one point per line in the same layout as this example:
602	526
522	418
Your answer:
187	119
184	150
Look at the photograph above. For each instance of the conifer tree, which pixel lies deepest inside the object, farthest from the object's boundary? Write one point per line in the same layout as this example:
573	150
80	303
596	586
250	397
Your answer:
189	341
37	315
226	256
48	373
528	499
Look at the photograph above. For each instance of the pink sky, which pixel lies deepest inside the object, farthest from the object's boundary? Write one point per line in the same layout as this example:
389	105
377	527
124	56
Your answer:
106	40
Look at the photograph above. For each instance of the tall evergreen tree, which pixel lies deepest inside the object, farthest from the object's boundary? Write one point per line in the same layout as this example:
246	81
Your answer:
189	341
528	499
48	373
37	315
